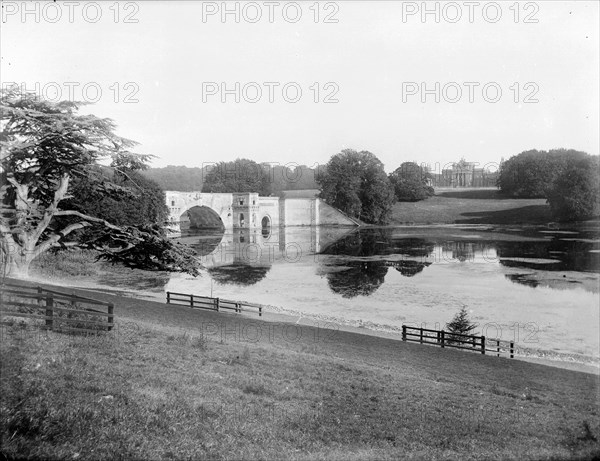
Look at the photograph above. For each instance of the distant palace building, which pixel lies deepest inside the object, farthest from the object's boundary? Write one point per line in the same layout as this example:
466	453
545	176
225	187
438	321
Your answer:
464	174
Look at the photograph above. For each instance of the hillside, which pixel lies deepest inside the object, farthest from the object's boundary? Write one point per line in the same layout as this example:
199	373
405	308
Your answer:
175	383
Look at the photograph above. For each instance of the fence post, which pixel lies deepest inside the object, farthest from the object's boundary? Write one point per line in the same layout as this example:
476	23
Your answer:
403	332
49	310
73	305
512	349
483	345
168	297
217	304
442	337
111	310
421	335
192	301
260	311
498	348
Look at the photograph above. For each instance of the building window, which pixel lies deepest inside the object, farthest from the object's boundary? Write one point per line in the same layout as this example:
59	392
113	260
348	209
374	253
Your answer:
172	202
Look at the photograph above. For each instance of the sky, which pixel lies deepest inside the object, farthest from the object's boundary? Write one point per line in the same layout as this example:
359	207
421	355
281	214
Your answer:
296	82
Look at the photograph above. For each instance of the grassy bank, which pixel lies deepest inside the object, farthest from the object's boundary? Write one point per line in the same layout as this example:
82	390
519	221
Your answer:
77	264
472	206
176	383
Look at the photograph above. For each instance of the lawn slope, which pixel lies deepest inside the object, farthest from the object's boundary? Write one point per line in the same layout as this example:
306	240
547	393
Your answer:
471	206
176	383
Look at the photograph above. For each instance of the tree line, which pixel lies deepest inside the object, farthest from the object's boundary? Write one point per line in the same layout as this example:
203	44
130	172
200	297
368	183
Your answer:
569	180
241	175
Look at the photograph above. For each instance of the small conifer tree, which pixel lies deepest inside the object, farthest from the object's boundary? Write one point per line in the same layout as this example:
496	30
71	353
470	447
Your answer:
460	324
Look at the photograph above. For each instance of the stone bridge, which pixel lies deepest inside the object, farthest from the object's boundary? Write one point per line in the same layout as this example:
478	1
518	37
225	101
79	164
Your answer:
248	210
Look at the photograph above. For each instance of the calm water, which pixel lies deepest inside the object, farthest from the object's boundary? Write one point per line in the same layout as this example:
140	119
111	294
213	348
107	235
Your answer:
536	286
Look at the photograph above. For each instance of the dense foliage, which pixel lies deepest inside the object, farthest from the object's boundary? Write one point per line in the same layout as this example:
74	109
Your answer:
180	178
531	173
241	175
281	177
45	148
575	194
567	178
144	205
411	182
356	183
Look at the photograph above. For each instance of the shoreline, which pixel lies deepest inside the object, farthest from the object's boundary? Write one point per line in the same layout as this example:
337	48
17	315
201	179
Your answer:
278	314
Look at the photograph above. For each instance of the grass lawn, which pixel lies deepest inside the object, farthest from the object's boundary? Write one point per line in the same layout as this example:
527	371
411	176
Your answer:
175	383
471	206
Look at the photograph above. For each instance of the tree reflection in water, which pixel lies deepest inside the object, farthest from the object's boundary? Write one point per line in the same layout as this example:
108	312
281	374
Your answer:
363	242
362	278
414	247
238	274
365	277
410	268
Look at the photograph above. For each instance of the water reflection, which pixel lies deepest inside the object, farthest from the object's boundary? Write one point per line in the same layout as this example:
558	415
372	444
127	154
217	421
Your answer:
356	262
362	242
361	278
534	251
410	268
555	254
238	274
505	275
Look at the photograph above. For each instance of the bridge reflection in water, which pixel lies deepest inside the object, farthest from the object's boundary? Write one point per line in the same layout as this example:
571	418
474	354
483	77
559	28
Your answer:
355	262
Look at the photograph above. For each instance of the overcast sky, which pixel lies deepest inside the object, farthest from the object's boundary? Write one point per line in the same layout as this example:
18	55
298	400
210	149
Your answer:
159	67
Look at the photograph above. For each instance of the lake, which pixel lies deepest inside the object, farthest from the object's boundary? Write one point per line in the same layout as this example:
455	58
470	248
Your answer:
537	286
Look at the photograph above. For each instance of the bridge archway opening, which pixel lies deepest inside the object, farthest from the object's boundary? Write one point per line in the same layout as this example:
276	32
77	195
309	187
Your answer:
201	218
265	225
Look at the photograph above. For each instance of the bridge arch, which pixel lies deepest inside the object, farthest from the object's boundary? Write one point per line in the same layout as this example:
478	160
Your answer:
202	217
179	204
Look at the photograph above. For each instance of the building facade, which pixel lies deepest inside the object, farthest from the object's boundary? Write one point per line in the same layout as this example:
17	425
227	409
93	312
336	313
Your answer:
465	174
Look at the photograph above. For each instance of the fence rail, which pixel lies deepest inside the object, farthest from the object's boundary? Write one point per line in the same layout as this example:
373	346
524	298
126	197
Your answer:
213	304
444	339
59	310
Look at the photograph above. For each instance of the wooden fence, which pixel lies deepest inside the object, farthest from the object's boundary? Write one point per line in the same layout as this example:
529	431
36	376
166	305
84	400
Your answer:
458	341
213	304
59	311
